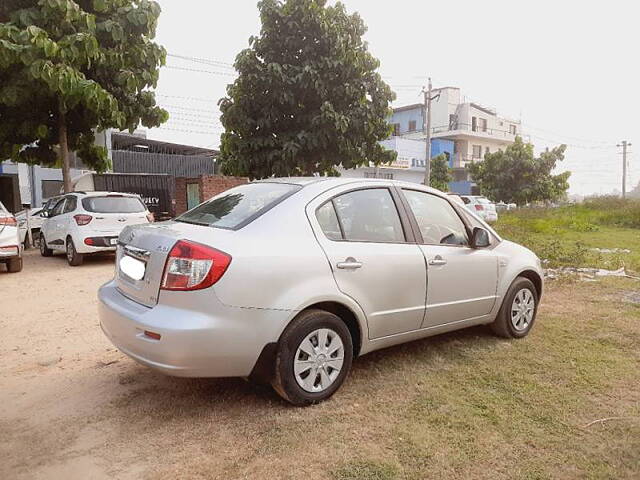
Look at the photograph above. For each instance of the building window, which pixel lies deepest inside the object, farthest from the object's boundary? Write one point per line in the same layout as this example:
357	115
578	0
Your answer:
474	124
512	129
396	129
486	150
412	125
483	124
383	175
477	152
453	122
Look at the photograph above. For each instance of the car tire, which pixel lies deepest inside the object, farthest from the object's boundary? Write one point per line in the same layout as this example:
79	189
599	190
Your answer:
302	379
73	257
14	265
518	311
44	250
26	243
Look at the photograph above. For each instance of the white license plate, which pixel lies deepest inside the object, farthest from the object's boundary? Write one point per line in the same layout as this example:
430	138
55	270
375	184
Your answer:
113	241
132	267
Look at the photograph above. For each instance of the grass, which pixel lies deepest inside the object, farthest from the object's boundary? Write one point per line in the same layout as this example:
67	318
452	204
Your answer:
567	236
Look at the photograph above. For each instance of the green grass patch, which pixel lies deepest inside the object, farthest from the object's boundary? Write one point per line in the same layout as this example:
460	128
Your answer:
568	235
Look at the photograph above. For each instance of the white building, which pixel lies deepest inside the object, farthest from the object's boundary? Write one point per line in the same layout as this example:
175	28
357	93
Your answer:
474	129
464	131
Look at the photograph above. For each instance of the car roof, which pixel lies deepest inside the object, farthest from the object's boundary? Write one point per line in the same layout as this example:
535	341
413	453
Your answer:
328	183
102	194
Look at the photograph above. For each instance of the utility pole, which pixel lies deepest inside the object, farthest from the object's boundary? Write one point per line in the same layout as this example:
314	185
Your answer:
624	146
427	132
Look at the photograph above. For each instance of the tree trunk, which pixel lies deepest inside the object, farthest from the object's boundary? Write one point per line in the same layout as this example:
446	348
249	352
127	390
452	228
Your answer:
64	151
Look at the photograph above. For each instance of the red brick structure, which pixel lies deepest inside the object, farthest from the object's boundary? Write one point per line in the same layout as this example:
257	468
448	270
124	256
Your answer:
207	186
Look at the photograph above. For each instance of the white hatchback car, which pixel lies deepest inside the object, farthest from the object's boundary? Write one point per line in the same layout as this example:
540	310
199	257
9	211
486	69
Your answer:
10	248
84	223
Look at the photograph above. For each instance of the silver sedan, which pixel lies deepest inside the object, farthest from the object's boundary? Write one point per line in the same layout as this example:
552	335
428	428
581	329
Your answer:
288	280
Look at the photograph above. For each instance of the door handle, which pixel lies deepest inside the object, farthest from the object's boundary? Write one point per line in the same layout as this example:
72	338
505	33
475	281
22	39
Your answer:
349	264
437	260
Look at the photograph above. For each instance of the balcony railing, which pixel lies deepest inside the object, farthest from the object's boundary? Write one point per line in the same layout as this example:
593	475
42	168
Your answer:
456	127
477	128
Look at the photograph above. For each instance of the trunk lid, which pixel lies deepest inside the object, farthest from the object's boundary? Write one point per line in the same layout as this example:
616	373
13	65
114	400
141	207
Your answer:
115	222
148	246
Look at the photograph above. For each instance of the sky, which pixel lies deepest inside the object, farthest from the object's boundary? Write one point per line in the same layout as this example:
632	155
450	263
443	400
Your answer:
567	69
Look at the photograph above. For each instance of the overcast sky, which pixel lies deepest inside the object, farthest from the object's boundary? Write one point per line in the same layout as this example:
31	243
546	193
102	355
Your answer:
569	70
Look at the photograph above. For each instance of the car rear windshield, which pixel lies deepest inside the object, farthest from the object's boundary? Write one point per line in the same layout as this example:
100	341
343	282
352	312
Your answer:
113	204
238	206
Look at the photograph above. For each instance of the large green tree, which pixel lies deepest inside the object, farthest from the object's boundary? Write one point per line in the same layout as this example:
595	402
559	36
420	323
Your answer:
516	175
440	173
308	96
69	68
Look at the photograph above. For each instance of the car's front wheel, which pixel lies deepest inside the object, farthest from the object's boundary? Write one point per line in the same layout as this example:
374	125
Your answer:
518	312
73	257
314	357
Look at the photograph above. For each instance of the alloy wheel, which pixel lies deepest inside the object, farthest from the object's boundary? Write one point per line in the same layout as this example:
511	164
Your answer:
318	360
522	309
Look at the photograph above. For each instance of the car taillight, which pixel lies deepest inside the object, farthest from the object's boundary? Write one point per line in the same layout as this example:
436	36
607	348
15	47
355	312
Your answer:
8	221
193	266
479	207
151	217
82	219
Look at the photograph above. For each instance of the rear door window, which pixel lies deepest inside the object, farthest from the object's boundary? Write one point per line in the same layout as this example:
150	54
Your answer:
369	215
239	206
113	204
328	221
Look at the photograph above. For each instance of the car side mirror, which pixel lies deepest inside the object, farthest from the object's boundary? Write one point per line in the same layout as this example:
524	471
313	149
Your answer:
480	238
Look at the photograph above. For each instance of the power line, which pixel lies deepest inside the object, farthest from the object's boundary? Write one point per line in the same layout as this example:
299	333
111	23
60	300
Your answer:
207	61
197	70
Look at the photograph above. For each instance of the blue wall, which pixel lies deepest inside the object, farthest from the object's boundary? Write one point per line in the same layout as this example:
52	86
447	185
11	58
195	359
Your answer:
439	146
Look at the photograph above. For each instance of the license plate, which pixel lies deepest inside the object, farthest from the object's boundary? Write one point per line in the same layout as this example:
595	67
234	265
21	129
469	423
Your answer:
113	241
132	267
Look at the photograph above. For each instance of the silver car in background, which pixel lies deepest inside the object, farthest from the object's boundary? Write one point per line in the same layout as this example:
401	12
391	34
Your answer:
481	206
288	280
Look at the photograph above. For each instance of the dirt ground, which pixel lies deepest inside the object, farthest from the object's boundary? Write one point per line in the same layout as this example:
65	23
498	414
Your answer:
73	407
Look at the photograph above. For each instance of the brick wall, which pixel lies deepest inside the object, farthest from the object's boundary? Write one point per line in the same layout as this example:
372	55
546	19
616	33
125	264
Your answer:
209	187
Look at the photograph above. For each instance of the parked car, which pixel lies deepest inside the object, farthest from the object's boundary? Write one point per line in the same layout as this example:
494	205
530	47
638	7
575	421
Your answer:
84	223
10	247
36	219
481	206
505	207
288	280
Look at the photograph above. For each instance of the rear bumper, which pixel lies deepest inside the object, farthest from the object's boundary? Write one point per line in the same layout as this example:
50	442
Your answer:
192	343
99	244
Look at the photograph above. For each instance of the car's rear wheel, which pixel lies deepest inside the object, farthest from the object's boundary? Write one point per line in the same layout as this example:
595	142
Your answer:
73	257
314	357
44	250
14	265
518	312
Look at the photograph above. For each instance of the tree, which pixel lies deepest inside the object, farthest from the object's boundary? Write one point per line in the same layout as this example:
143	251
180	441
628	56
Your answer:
515	175
69	67
307	98
440	173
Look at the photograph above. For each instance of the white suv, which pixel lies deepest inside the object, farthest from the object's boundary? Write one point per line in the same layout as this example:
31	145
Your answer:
10	248
84	223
